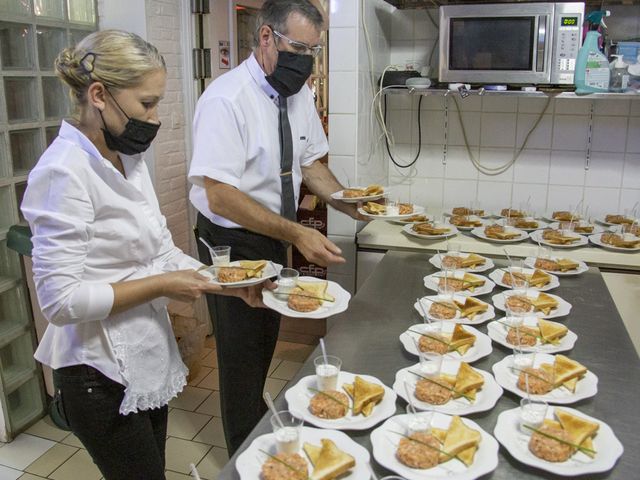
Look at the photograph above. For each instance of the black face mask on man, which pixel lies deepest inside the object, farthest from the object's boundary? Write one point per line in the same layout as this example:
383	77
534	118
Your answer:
136	137
292	71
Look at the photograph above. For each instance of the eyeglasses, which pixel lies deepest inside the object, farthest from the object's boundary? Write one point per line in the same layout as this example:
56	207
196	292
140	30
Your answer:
299	47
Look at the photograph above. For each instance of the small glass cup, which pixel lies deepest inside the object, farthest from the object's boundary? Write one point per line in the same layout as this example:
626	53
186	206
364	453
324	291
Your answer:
430	363
522	358
544	253
419	422
445	289
532	413
453	248
287	280
220	255
393	207
289	434
327	372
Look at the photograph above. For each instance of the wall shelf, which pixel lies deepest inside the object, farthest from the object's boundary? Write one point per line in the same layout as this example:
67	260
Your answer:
406	4
512	93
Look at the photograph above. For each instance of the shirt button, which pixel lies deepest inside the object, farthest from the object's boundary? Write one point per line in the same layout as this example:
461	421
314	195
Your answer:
90	390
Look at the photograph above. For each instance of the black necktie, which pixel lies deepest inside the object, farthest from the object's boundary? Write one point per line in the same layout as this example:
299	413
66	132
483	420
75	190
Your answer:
288	204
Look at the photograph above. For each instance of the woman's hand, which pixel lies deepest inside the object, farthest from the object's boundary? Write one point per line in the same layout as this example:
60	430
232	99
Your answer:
186	285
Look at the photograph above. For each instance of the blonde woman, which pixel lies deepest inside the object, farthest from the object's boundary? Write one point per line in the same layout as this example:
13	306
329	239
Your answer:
104	261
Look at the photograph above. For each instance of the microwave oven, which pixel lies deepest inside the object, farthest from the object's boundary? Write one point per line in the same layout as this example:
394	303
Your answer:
508	43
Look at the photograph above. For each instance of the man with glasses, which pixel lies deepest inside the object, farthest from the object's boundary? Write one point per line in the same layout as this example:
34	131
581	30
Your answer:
257	135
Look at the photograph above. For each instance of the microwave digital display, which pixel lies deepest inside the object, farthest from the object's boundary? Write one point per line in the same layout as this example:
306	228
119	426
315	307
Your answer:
498	43
569	21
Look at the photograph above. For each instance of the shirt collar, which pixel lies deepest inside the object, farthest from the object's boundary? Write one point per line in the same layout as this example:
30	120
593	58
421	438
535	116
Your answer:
260	77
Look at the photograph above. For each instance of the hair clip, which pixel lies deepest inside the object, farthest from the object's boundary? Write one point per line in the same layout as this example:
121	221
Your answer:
87	62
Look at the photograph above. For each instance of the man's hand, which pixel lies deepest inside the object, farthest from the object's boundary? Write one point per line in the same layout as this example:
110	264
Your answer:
351	209
317	248
251	295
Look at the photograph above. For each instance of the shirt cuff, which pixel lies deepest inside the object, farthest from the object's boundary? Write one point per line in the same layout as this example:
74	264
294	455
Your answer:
93	302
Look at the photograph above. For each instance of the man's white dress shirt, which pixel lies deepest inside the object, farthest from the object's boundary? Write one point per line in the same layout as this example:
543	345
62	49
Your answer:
92	227
236	138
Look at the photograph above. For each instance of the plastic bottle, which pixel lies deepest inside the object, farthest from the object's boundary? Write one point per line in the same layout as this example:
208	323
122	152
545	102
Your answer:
592	66
619	75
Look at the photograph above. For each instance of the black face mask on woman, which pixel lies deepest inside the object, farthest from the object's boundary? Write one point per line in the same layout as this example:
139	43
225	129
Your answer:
136	137
292	71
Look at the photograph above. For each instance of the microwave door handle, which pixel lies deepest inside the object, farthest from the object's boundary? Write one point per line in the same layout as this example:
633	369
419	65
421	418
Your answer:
540	48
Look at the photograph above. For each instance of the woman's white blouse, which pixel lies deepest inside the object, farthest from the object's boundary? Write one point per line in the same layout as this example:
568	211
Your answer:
93	227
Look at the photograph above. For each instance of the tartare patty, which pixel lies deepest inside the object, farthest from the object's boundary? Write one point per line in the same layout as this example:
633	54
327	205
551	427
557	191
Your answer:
442	311
540	382
518	304
420	450
288	466
528	336
550	449
330	404
302	301
431	344
429	392
231	274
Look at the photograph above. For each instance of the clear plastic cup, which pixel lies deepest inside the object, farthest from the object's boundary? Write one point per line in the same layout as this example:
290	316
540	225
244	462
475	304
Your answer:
220	255
430	363
532	413
287	280
419	422
289	434
522	358
544	253
327	372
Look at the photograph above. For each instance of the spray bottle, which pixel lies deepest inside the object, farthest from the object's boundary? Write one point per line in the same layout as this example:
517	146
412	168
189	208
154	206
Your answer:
592	66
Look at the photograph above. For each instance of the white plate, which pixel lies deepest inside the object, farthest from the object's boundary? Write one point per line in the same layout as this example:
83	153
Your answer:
498	273
417	210
486	397
249	463
596	228
299	395
541	224
582	267
480	318
436	261
402	221
326	310
479	232
338	196
270	270
508	379
563	308
409	231
497	331
487	214
467	229
537	237
595	239
480	349
431	282
608	224
385	443
607	446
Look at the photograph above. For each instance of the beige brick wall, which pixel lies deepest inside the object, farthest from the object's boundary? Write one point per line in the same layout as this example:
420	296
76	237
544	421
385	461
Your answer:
163	30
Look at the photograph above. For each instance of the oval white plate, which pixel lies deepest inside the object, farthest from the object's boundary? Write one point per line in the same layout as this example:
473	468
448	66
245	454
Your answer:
417	210
405	222
436	261
602	221
467	229
340	304
596	228
431	282
385	444
595	239
339	196
563	308
249	463
507	379
503	221
479	232
582	267
607	446
498	273
487	214
480	349
537	237
549	217
481	318
270	270
409	231
299	395
498	333
486	397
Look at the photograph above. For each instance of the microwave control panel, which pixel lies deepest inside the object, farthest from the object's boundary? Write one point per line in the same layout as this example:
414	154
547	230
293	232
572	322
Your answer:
567	43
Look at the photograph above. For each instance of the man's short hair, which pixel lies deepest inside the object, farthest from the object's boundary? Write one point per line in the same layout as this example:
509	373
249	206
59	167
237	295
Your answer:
276	12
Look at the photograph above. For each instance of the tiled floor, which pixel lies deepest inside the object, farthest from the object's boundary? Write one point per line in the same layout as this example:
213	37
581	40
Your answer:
194	433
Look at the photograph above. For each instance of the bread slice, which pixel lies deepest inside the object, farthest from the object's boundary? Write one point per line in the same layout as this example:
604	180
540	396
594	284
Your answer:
373	189
566	370
461	340
472	260
374	208
254	267
565	265
544	303
472	307
328	461
578	428
317	289
459	438
551	332
365	392
539	278
471	282
467	380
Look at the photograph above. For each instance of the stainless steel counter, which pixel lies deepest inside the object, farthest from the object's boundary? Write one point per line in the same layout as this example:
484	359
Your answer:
381	235
366	338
